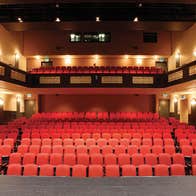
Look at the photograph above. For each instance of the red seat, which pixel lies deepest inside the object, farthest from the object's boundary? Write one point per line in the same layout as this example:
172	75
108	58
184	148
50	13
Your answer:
15	158
194	170
133	149
9	141
46	149
14	170
57	141
57	149
83	159
123	159
112	171
187	150
144	149
42	158
165	159
161	170
62	170
56	159
47	141
119	149
178	159
67	141
46	170
145	170
22	149
90	142
107	149
36	141
110	159
69	159
79	141
5	150
96	159
95	171
94	149
169	149
28	158
128	170
30	170
26	141
137	159
34	149
81	149
150	159
177	170
157	149
113	142
101	142
158	141
79	171
69	149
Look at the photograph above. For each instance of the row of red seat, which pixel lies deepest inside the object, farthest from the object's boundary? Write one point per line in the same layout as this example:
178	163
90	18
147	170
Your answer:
97	70
144	149
97	170
100	141
97	158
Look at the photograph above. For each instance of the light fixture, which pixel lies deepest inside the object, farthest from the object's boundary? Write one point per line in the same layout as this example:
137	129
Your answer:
194	53
97	19
140	5
178	55
57	19
18	98
96	57
1	101
20	19
155	57
126	56
182	97
165	95
175	99
29	95
37	57
17	56
135	19
193	101
68	59
138	61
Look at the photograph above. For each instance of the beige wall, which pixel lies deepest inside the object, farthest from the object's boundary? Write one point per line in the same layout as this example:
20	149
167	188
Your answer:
10	44
185	43
123	42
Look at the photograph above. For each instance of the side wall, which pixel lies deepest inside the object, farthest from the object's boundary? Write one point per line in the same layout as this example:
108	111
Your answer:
10	44
185	44
112	103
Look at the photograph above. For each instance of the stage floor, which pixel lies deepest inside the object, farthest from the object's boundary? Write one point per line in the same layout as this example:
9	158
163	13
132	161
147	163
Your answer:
123	186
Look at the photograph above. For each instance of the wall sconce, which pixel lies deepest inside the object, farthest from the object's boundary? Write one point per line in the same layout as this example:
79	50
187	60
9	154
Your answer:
18	98
37	57
193	101
194	53
68	60
1	101
17	56
138	61
126	56
175	99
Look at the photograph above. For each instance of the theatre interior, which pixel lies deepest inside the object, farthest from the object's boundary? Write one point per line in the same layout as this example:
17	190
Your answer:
97	94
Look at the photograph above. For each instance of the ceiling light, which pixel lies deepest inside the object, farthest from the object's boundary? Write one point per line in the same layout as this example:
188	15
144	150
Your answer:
57	19
57	5
135	19
20	19
97	19
140	5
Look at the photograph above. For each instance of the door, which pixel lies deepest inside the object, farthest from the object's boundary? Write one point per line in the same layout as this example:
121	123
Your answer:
29	108
164	108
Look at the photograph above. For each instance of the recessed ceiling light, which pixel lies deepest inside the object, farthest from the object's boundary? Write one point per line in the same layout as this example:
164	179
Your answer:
57	5
57	19
20	19
135	19
97	19
140	5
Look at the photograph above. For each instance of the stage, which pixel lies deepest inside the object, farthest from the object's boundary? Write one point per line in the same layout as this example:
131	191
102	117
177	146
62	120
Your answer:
123	186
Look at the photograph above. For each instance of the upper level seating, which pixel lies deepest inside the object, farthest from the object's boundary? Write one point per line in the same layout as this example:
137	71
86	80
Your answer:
97	70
